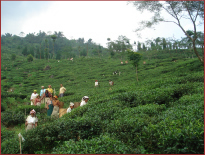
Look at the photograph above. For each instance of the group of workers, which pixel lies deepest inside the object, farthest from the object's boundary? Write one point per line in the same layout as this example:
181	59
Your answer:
111	83
51	102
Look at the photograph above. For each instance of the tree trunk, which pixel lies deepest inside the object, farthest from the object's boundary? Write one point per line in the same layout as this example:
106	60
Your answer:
87	49
136	73
197	54
40	51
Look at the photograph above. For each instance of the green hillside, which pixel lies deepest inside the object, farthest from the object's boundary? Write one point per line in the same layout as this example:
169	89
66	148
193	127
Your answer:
162	113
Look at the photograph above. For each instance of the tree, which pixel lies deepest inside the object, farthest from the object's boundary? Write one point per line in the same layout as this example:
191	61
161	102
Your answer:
144	47
164	44
13	57
31	51
25	52
179	10
30	58
54	39
46	49
58	56
38	53
134	57
139	46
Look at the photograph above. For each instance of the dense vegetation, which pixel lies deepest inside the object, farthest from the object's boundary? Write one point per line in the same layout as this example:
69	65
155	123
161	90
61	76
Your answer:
161	113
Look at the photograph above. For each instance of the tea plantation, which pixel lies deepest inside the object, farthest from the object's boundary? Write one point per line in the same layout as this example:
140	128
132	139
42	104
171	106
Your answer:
162	113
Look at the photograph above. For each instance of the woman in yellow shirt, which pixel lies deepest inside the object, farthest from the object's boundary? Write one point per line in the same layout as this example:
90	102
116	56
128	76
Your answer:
50	90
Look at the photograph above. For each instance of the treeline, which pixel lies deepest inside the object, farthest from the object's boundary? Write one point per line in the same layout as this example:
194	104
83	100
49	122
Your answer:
50	46
56	46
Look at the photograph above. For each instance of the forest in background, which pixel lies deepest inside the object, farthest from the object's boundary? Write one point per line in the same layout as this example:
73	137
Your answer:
55	46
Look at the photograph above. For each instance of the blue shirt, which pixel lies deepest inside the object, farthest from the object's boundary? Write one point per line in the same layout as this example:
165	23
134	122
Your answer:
42	92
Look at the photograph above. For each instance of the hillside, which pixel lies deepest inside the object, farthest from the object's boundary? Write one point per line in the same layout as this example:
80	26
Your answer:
161	113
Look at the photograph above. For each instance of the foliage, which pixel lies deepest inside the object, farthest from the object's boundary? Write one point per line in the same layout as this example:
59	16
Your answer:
46	134
100	145
13	145
181	10
13	56
134	57
6	134
30	58
162	113
12	118
3	106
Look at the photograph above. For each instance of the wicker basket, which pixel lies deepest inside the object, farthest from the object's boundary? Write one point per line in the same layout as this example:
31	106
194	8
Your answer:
62	111
61	104
76	104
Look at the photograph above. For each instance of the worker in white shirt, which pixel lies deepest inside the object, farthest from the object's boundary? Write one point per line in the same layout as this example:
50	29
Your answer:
84	101
33	96
71	107
32	120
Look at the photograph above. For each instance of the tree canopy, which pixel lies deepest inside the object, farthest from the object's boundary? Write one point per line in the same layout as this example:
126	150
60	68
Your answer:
178	10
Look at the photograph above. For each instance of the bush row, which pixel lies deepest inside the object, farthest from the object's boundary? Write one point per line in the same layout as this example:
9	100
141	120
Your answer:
163	95
18	115
6	94
44	136
99	145
6	134
9	118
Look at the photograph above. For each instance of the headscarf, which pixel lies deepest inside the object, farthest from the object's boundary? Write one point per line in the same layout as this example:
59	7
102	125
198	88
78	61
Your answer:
35	91
84	97
71	104
55	96
33	112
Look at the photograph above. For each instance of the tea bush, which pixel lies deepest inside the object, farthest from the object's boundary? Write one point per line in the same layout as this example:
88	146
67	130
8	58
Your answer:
163	95
139	117
27	108
6	134
12	118
180	127
3	106
10	146
44	136
99	145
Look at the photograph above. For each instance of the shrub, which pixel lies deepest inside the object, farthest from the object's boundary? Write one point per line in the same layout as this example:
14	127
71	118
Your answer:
6	95
181	129
3	106
6	134
13	56
30	58
10	146
44	136
163	95
27	108
99	145
12	118
173	136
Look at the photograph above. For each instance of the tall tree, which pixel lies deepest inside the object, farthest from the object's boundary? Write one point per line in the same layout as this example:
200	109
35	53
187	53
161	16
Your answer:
25	51
179	10
164	44
54	39
134	57
139	46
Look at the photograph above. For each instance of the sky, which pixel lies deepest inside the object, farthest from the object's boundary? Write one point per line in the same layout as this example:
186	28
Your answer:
97	20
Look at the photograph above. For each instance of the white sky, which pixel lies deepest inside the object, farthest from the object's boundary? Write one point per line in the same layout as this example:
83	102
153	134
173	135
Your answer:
97	20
